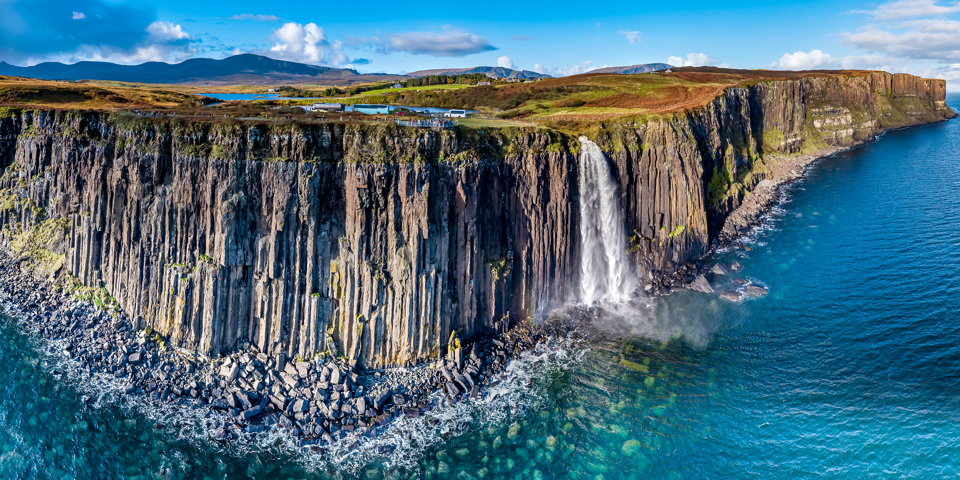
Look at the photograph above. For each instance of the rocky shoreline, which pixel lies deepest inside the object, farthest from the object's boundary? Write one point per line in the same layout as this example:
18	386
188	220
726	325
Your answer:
702	275
783	171
318	401
705	274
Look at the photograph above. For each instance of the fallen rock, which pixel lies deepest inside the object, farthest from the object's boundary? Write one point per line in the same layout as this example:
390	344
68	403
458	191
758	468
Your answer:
719	269
230	371
252	412
382	400
700	284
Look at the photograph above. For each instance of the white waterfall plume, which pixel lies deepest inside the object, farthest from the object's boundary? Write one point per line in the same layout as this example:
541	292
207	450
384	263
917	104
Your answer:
605	273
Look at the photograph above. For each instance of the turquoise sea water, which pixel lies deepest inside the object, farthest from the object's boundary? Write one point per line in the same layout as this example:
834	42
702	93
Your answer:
849	368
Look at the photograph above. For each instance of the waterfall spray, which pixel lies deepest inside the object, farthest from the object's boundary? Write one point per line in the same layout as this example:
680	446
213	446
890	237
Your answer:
604	269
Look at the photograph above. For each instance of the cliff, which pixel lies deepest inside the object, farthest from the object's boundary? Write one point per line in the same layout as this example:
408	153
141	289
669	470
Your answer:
378	242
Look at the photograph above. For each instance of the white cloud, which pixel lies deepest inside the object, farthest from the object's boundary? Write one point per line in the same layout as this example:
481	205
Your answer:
911	29
157	52
818	60
815	59
165	42
255	18
306	43
693	60
505	62
901	9
634	36
950	73
105	30
917	39
164	31
566	70
149	53
452	42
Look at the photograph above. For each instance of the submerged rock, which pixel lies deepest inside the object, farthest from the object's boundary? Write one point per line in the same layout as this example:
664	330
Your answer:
755	291
730	295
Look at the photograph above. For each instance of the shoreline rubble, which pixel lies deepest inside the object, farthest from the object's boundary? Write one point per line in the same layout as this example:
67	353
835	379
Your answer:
319	400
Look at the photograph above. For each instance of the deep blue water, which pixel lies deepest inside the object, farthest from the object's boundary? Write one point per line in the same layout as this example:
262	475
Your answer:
849	368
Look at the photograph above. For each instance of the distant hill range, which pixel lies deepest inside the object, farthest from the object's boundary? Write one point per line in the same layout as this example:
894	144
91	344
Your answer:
250	69
493	72
245	69
644	68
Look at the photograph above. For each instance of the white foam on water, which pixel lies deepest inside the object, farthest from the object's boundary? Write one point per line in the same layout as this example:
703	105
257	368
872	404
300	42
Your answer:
406	439
516	390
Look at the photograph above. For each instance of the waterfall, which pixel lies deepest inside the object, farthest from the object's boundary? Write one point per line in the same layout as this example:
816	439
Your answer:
604	269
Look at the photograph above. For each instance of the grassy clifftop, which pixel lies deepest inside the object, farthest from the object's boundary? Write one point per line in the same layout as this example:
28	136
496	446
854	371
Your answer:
561	109
33	93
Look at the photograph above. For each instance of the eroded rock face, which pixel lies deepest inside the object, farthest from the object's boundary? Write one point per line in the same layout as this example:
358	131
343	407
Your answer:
378	242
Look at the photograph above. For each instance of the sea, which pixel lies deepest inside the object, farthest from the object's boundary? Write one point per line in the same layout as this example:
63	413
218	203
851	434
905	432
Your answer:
848	368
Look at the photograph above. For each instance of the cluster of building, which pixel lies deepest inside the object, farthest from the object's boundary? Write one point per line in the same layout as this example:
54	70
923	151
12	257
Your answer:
373	109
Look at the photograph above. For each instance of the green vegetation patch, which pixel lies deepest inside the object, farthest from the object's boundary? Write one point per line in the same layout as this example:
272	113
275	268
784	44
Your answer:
98	296
9	112
37	245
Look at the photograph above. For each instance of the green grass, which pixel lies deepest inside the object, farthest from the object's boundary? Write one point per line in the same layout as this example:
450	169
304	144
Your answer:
478	122
407	89
6	112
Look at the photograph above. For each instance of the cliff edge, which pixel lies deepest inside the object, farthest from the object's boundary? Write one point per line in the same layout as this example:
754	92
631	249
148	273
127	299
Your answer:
382	243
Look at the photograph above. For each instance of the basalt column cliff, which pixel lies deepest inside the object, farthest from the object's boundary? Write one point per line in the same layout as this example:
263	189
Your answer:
378	242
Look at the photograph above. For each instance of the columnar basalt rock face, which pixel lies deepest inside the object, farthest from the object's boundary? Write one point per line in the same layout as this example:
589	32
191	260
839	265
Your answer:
375	261
378	242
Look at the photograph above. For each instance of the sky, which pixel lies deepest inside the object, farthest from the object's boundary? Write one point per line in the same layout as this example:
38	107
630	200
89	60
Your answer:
921	37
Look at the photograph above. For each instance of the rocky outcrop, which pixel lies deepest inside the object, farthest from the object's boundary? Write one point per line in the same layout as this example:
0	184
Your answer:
381	244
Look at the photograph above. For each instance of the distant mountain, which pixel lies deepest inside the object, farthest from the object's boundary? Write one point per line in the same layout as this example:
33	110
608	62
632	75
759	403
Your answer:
493	72
245	69
644	68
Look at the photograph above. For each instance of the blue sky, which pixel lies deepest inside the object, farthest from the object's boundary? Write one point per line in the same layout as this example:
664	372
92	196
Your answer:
557	37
